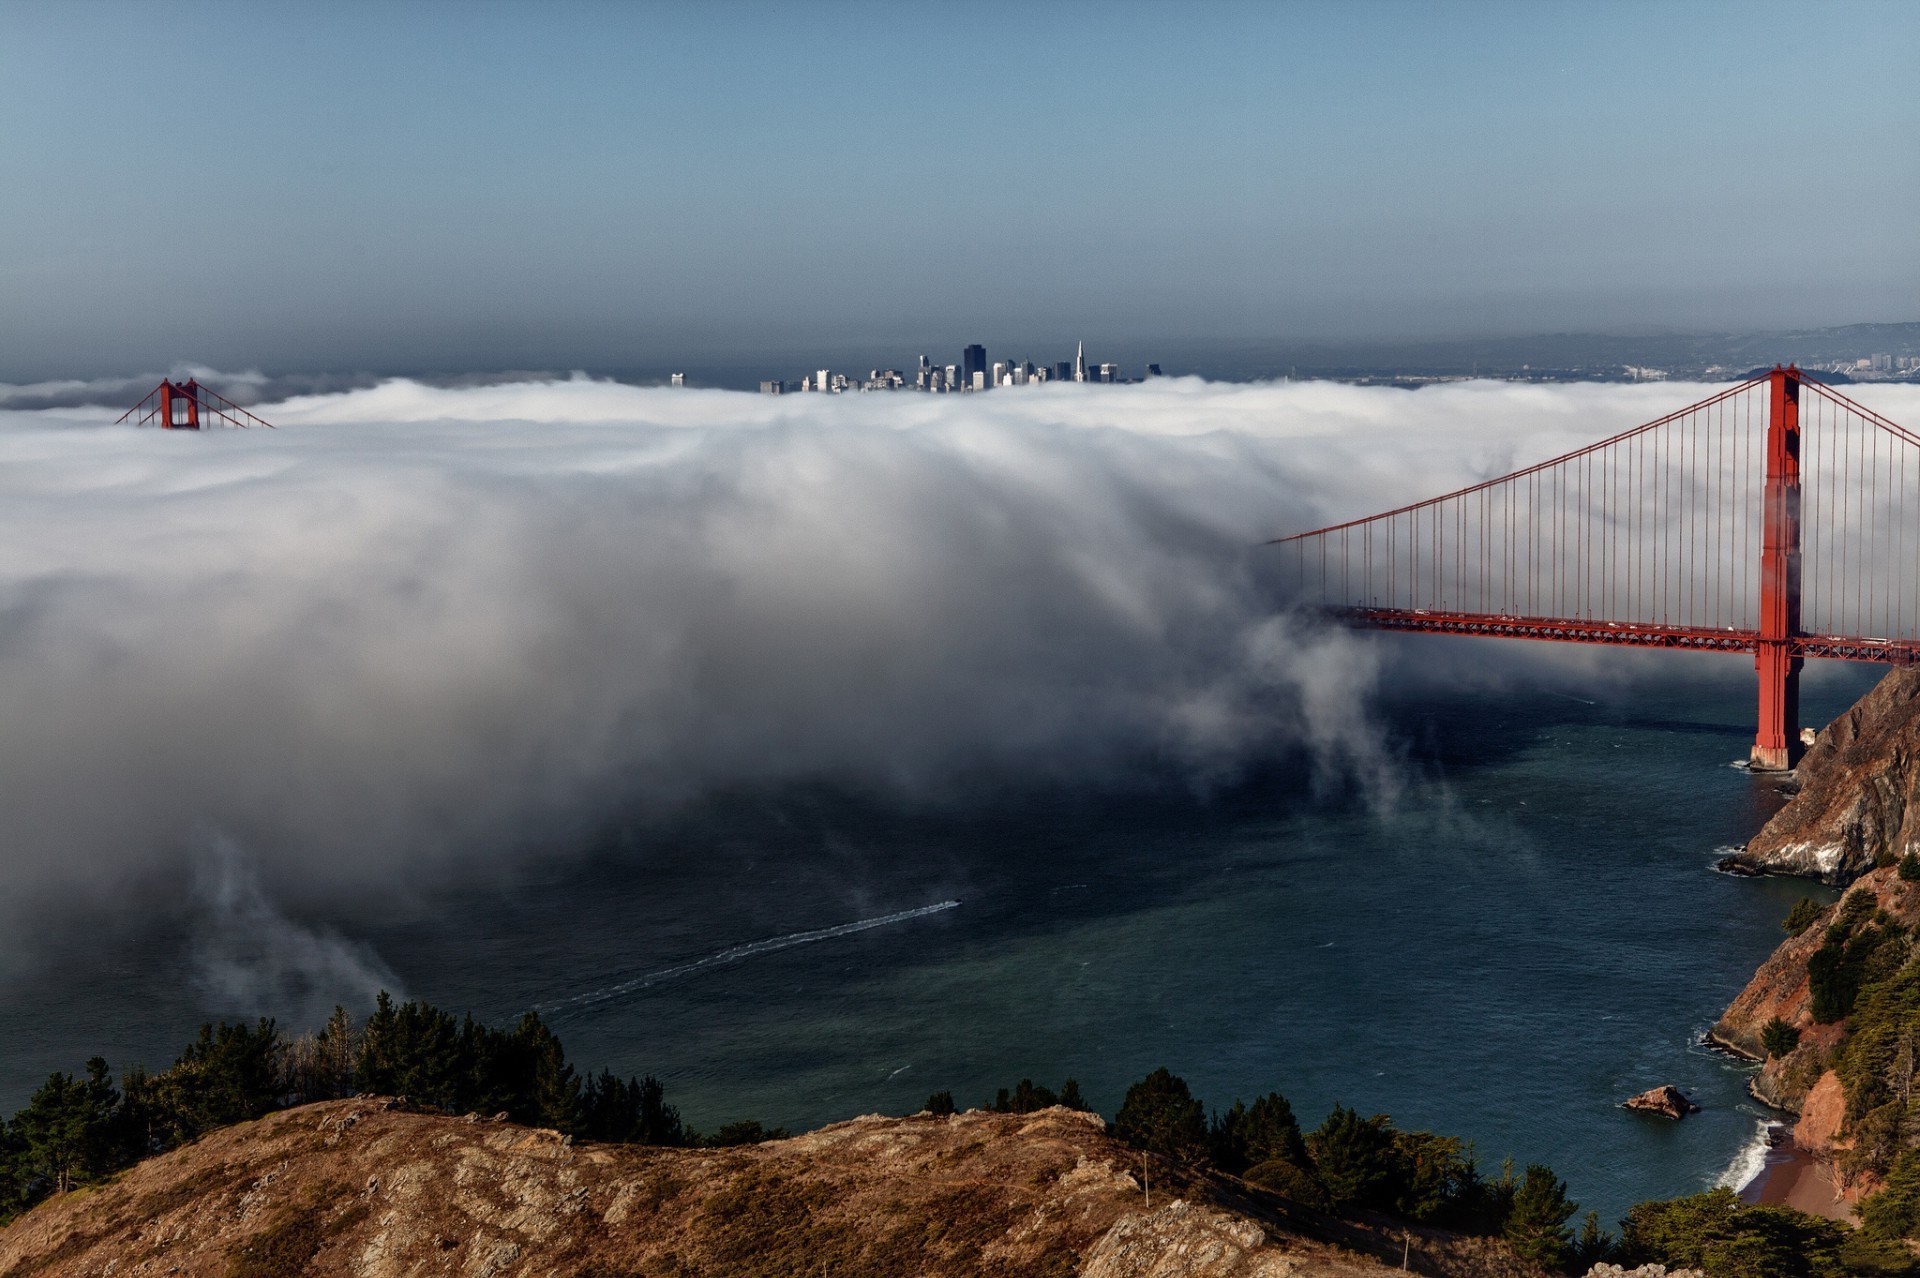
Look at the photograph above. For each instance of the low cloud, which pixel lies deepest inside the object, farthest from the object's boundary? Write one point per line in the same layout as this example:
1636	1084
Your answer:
418	630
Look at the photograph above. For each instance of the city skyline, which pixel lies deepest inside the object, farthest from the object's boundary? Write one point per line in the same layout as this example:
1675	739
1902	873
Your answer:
972	373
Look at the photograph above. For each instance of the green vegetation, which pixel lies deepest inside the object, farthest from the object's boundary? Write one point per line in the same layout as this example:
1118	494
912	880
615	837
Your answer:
1910	868
1028	1097
1778	1037
1537	1223
1716	1232
1804	914
1857	950
80	1129
1161	1116
1353	1163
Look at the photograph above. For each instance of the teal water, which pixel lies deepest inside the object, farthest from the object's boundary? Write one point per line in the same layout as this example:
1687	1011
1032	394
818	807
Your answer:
1532	933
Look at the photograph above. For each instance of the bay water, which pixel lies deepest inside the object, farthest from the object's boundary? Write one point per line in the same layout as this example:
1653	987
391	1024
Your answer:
1530	932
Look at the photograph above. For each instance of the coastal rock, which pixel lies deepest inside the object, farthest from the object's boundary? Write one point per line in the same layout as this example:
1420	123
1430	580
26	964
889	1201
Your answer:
1605	1270
1858	800
1667	1101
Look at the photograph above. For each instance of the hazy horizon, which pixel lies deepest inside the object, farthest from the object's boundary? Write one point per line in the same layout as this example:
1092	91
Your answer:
437	189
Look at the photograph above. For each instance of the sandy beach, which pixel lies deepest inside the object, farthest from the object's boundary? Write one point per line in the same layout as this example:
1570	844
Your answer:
1792	1177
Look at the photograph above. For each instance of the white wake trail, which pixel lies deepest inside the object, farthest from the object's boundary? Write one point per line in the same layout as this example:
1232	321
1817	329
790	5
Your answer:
734	954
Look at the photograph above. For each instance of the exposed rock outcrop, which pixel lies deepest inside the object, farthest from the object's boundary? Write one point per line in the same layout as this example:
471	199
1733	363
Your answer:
1667	1101
1858	800
366	1188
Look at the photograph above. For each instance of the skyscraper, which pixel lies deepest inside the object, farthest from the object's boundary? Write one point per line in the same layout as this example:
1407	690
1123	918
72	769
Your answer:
973	360
1080	362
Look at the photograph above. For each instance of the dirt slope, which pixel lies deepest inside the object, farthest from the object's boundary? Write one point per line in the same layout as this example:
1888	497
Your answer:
364	1187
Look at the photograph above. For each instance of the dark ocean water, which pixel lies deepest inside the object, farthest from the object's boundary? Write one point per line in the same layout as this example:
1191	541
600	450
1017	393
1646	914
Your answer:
1533	932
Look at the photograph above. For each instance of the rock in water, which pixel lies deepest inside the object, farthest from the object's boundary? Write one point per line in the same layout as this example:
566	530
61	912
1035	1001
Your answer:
1668	1102
1859	793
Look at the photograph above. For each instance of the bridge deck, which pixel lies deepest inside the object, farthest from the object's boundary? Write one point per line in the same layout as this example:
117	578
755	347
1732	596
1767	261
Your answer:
1893	652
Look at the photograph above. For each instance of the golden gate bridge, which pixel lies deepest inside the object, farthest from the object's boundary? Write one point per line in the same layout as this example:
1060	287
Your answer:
1778	517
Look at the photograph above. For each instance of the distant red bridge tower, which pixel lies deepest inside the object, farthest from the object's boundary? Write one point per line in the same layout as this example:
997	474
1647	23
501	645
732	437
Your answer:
188	406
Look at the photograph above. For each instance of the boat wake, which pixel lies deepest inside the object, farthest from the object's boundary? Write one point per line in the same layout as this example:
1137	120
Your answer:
733	954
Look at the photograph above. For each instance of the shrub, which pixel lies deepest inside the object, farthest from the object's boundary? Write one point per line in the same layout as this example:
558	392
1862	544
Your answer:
1289	1180
1160	1115
1778	1037
940	1104
1910	868
746	1132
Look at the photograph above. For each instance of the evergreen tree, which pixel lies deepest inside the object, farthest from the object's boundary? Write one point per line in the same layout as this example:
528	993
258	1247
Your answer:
634	1111
1434	1180
66	1130
1594	1246
940	1104
419	1052
1024	1099
1804	914
1537	1228
1248	1135
1159	1114
1778	1037
1070	1096
1354	1157
550	1093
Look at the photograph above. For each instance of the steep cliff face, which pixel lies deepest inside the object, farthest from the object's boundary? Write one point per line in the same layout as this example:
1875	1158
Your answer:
362	1187
1858	804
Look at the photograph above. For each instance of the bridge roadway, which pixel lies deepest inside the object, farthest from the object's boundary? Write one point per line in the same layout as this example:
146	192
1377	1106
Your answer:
1892	652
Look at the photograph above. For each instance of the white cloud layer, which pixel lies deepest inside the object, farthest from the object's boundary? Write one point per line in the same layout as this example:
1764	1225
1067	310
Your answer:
416	629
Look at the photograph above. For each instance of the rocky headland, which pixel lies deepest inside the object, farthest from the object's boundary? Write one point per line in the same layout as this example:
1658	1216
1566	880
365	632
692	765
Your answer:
366	1187
1857	793
1854	817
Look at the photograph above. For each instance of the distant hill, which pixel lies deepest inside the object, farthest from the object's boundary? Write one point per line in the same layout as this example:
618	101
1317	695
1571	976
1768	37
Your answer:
1559	356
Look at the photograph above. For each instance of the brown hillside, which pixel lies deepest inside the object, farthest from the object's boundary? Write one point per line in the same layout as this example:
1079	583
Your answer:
364	1187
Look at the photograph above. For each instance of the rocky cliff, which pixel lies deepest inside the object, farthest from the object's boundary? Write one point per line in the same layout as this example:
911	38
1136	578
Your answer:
1858	800
1782	989
364	1187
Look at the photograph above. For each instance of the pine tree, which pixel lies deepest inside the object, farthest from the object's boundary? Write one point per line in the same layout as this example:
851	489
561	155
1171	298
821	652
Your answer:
1537	1228
1354	1157
1159	1114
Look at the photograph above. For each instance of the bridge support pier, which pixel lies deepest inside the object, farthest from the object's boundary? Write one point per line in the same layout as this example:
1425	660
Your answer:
1776	747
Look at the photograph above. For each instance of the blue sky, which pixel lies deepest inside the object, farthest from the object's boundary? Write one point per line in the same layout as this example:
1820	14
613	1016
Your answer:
439	187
